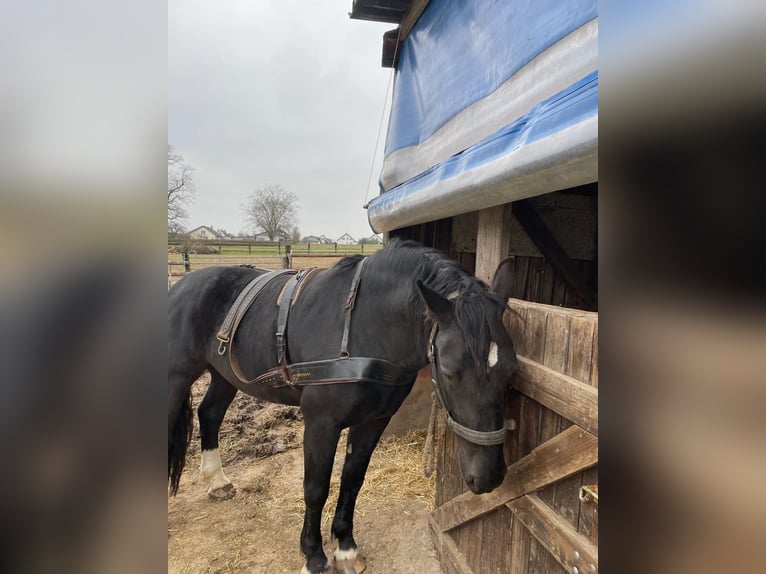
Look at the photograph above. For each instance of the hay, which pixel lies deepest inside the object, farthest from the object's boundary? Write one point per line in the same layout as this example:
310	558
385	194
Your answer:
396	472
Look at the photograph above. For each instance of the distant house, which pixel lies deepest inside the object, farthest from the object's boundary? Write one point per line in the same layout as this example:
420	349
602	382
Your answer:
326	240
345	239
311	239
203	232
372	239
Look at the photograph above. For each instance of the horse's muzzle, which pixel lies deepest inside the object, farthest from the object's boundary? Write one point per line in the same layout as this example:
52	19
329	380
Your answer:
485	482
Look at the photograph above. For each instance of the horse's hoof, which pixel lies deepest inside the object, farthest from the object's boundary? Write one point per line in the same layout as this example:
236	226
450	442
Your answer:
222	492
305	570
356	566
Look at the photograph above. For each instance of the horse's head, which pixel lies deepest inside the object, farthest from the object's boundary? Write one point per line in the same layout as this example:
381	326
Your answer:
472	360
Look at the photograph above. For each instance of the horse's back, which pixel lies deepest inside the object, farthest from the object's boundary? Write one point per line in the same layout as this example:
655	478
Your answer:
197	305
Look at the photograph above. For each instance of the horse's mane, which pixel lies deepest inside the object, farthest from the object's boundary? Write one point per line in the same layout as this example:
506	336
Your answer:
476	308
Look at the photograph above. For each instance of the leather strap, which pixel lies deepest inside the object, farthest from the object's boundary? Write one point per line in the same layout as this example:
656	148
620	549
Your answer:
350	307
284	312
241	305
334	371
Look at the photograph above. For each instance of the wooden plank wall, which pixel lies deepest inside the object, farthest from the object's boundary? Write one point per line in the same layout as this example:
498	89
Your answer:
537	281
565	342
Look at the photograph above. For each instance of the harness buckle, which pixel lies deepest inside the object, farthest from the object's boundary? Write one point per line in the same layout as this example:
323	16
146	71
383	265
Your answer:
280	347
222	344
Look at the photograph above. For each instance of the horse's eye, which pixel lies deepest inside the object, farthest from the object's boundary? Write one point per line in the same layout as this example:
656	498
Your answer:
449	373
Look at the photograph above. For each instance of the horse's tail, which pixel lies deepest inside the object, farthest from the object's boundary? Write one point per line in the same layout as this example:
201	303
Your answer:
179	443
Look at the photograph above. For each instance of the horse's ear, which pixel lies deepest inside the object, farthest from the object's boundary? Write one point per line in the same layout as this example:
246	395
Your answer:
502	284
440	306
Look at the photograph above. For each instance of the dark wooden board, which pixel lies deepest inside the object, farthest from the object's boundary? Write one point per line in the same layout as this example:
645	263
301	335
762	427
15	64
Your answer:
563	542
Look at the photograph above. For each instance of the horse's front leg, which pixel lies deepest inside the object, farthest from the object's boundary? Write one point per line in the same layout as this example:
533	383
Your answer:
362	440
211	411
320	439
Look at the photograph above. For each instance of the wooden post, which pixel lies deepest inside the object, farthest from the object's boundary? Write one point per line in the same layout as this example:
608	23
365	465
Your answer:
492	240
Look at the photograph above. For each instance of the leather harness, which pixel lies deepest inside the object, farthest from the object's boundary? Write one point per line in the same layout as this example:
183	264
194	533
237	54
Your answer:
344	369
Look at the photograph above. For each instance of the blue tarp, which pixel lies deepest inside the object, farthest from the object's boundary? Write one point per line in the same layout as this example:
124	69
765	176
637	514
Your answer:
494	101
568	107
461	51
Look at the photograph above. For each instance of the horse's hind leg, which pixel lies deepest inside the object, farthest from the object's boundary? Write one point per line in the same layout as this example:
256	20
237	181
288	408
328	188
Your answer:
362	440
211	411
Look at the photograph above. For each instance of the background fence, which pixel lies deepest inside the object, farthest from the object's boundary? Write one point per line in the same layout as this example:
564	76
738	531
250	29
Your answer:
185	256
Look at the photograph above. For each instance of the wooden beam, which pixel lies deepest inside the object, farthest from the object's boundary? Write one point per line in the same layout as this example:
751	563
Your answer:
411	17
450	557
393	39
545	241
568	452
573	400
572	550
491	242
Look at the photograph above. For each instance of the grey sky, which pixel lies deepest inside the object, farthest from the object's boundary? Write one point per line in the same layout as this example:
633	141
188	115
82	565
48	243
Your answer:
277	91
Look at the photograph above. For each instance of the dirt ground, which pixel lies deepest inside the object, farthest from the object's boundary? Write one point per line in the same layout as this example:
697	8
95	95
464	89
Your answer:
257	531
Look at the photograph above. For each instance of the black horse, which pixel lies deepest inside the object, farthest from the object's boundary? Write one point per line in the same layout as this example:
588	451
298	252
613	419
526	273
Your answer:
410	304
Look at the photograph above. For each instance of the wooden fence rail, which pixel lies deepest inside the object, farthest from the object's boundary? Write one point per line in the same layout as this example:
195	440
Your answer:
180	264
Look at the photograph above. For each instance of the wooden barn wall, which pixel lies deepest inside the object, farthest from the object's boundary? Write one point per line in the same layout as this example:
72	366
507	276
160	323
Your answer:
531	524
570	215
565	342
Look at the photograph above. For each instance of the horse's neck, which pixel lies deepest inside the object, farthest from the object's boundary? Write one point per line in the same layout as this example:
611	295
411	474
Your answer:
387	327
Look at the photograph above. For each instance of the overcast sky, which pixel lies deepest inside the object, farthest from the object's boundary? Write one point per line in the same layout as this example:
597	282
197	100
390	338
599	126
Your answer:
277	91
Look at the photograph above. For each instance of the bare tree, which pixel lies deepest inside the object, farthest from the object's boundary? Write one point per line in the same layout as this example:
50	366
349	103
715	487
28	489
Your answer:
271	209
180	190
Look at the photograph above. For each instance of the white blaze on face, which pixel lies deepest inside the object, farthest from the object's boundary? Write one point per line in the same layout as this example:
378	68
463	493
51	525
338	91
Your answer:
211	468
492	359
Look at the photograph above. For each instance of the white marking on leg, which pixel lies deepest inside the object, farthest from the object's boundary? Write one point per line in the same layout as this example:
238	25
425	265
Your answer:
343	555
492	360
305	570
211	469
349	449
